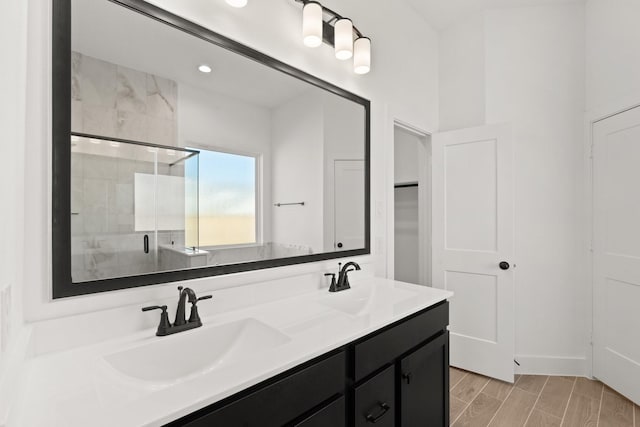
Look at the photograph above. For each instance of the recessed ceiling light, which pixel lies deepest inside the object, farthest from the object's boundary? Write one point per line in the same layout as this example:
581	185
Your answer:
204	68
237	3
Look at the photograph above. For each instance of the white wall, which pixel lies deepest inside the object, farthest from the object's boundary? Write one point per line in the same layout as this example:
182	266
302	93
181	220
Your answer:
297	172
534	79
213	120
13	43
403	81
462	75
613	60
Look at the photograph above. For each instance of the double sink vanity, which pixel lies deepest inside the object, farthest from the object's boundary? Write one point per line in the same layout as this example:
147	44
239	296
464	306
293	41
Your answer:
125	190
373	354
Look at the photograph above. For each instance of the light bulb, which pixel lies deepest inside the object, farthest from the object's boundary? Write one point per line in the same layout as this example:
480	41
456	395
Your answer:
362	56
343	39
237	3
312	24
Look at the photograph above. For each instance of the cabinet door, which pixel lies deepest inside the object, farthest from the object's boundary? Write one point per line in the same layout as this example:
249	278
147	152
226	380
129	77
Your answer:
331	415
279	403
375	400
424	385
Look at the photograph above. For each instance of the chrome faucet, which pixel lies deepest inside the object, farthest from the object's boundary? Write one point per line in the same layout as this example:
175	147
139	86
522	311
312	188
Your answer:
180	324
343	279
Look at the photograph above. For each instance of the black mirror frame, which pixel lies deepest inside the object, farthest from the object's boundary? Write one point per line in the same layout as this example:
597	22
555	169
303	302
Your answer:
63	285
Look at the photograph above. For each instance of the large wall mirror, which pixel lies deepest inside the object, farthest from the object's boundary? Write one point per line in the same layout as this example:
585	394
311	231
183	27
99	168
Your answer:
181	154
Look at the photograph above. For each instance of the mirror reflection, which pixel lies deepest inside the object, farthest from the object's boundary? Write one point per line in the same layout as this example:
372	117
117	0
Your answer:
187	155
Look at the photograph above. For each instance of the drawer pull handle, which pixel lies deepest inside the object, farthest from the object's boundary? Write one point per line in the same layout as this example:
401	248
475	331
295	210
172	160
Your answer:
374	418
407	377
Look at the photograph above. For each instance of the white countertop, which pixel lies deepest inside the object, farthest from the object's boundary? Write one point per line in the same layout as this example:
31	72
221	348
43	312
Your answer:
79	388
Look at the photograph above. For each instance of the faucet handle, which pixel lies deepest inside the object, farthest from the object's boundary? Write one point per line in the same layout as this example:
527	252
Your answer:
333	286
155	307
164	325
194	316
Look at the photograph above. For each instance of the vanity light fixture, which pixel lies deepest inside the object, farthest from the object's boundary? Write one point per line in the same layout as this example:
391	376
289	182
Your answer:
362	55
312	24
237	3
320	24
204	68
343	39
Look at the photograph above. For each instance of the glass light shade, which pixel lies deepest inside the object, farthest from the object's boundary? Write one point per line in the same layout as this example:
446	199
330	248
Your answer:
312	24
237	3
362	56
343	39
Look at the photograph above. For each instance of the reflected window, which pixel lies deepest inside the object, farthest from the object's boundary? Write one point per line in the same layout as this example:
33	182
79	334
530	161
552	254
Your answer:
228	213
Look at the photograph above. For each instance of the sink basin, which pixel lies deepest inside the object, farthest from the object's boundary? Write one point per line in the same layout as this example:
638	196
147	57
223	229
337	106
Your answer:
357	301
172	358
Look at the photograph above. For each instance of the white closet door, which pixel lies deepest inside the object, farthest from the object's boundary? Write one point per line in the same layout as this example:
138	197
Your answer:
473	236
616	256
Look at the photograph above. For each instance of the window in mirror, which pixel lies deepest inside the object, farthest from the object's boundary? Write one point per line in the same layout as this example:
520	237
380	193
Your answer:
228	211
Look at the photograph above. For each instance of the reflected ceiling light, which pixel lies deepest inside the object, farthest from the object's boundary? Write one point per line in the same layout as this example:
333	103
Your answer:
237	3
321	24
114	144
312	24
204	68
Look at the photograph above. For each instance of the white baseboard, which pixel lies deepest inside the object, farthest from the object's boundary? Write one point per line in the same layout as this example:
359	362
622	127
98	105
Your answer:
548	365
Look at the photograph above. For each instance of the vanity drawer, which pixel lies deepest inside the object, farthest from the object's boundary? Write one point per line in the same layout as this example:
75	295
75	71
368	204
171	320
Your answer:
281	402
388	345
375	400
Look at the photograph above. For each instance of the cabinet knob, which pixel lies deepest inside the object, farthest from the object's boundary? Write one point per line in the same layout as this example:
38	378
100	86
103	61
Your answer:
504	265
406	376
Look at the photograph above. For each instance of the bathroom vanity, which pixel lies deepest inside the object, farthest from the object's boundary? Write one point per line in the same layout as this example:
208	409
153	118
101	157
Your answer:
396	376
269	354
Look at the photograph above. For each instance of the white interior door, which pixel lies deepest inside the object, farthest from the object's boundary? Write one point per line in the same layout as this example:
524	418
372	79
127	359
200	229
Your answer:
349	204
472	235
616	256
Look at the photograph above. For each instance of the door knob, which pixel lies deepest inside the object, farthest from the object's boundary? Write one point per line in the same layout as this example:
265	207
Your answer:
339	244
504	265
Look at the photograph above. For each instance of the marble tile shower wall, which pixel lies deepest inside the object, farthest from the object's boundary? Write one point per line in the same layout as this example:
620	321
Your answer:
114	101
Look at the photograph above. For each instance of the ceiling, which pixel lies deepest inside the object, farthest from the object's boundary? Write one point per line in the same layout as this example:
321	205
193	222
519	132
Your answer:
102	29
442	13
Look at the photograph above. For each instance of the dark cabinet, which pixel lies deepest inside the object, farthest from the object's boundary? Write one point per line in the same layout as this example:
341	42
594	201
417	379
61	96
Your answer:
278	403
424	374
332	415
375	400
397	376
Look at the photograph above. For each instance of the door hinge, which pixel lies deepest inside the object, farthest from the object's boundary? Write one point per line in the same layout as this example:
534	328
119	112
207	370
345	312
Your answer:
516	362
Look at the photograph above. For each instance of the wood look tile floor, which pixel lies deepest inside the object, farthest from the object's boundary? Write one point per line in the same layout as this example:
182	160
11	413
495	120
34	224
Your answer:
537	401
